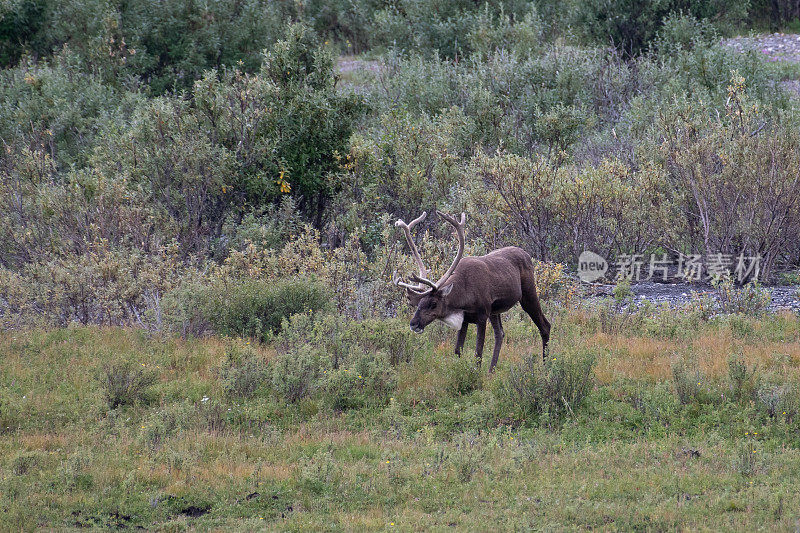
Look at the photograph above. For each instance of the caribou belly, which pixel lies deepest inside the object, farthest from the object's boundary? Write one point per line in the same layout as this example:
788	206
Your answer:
454	320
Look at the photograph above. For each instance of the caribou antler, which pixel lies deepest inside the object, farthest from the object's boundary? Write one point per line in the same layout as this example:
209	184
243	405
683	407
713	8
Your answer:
423	281
459	226
423	272
422	278
400	283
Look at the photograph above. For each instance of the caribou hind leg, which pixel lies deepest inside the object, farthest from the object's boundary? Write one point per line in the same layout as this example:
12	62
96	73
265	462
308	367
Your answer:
497	325
530	304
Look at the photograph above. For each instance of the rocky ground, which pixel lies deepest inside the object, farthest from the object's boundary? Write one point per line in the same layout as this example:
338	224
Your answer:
775	46
782	297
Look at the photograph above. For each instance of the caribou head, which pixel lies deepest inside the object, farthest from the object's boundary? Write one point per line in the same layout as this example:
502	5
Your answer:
431	298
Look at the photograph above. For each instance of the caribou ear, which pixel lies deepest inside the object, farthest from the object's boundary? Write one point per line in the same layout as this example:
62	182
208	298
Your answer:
444	291
413	298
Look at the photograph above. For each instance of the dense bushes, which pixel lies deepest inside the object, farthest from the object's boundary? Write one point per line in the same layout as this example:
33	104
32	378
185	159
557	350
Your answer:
632	25
121	201
248	308
242	373
168	44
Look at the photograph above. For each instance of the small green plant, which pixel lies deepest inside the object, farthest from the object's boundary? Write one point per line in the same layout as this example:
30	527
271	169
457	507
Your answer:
778	401
615	319
468	456
318	472
10	416
367	379
163	423
462	376
665	322
702	304
743	380
747	459
125	384
789	278
24	462
691	386
622	293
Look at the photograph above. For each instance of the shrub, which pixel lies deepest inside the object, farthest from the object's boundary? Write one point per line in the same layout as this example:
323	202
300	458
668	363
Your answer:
489	33
553	283
25	462
347	362
243	372
319	471
367	379
461	376
294	374
750	299
747	461
339	339
779	401
10	413
468	455
632	25
248	308
743	380
172	418
620	312
691	386
551	390
454	29
163	423
701	304
666	322
125	384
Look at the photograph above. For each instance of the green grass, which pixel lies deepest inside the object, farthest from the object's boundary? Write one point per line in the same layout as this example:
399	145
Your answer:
444	452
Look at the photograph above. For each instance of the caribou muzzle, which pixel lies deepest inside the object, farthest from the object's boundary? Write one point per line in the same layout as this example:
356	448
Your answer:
416	324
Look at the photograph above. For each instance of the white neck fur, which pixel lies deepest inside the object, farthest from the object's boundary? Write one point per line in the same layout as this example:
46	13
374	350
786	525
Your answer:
454	320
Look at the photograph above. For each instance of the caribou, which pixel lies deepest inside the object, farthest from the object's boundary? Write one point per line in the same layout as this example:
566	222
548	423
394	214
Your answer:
473	290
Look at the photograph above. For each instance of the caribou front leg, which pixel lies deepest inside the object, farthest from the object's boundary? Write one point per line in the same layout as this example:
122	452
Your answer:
462	336
481	325
497	325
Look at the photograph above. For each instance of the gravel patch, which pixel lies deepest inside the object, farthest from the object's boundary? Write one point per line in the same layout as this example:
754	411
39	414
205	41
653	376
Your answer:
775	46
678	294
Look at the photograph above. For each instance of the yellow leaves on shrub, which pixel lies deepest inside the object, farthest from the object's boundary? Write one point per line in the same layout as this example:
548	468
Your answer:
282	183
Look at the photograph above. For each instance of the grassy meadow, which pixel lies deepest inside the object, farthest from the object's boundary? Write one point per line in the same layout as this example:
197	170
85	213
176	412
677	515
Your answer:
444	448
198	206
